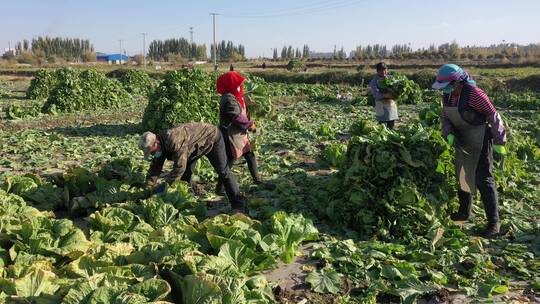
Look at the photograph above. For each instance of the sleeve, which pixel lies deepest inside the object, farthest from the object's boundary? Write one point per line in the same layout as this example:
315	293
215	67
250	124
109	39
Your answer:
180	162
155	169
374	89
498	131
480	102
243	122
447	126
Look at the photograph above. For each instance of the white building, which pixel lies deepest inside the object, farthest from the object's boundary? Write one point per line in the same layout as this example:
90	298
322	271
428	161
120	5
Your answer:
9	52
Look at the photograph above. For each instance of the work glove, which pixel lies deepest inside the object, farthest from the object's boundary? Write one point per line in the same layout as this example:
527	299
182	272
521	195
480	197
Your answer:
450	139
159	188
499	149
500	152
252	128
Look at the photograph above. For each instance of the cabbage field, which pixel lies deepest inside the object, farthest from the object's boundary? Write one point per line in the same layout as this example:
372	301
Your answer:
352	212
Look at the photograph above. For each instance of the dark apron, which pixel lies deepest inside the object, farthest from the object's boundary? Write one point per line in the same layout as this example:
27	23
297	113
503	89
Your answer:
469	140
386	110
237	141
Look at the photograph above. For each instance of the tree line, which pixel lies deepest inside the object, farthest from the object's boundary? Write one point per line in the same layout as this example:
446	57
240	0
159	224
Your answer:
50	48
170	49
449	50
288	52
227	50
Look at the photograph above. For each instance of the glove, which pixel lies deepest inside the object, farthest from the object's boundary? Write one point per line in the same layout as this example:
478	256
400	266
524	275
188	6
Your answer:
252	128
450	139
159	188
498	156
500	149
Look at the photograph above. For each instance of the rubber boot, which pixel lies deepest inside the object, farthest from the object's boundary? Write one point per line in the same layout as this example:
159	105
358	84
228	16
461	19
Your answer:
220	189
252	166
465	207
492	230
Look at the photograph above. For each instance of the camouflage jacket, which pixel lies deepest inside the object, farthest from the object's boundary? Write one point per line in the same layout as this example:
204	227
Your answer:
182	144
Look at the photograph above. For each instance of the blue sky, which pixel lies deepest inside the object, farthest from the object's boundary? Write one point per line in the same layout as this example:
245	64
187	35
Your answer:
262	25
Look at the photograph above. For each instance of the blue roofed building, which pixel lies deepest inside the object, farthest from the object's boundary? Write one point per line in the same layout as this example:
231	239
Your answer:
112	58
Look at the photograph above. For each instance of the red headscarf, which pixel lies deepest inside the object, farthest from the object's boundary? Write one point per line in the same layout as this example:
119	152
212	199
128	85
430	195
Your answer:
231	82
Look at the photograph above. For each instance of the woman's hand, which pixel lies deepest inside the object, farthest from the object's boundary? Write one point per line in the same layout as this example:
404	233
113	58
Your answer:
247	99
252	128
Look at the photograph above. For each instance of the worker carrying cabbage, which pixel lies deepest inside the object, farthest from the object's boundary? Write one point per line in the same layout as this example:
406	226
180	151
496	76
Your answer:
385	107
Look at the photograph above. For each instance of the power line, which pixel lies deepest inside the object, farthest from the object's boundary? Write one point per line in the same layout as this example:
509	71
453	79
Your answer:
289	9
300	11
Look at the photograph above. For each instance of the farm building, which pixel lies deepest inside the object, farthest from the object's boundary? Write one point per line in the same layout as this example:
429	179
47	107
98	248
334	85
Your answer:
9	52
112	58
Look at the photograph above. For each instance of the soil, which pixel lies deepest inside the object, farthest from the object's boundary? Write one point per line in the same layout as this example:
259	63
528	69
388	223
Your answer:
289	280
69	121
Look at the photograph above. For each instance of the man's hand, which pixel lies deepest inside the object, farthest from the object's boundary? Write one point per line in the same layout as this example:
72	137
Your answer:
160	188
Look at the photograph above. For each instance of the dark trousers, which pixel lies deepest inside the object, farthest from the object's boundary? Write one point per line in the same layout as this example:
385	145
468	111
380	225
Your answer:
485	182
251	161
389	124
218	159
189	171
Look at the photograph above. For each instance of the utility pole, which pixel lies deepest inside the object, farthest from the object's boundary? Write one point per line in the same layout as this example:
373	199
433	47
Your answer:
191	42
120	61
144	48
215	45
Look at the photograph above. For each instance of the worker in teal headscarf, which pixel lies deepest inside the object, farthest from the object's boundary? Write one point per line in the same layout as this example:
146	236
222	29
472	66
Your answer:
473	126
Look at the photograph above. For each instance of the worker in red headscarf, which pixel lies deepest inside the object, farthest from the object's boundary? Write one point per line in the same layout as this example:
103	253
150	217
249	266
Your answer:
234	122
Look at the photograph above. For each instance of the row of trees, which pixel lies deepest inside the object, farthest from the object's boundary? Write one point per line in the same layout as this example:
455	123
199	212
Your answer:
171	49
177	49
288	52
227	50
57	49
69	49
449	50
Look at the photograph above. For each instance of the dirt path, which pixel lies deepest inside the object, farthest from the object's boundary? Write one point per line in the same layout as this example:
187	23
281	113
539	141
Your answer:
67	121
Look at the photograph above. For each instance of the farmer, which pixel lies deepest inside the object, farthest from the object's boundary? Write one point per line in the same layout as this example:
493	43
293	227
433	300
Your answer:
184	145
471	123
234	122
385	107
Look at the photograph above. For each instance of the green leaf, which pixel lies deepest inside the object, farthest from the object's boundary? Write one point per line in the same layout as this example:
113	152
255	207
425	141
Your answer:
500	289
239	255
411	289
197	289
36	283
324	281
153	289
291	231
